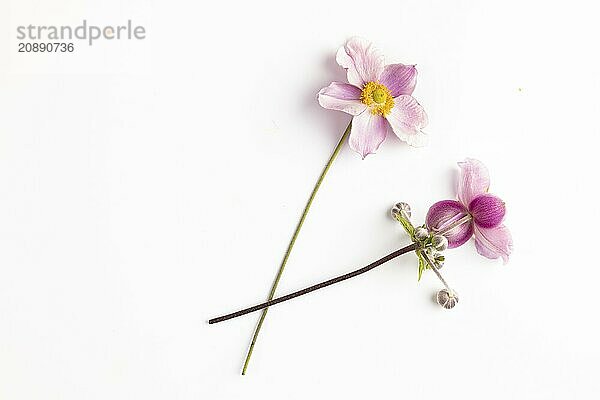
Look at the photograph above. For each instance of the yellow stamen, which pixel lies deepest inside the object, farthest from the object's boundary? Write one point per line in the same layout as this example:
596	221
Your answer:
378	98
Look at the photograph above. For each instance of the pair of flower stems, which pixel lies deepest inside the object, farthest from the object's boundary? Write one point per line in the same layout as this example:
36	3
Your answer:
288	251
418	245
423	242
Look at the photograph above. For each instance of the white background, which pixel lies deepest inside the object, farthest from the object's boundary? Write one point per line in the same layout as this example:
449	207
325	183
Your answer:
147	186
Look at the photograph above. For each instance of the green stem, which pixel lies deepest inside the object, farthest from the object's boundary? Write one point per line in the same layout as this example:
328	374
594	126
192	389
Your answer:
336	151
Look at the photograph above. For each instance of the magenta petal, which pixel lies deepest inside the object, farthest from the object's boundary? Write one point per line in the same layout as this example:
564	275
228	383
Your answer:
494	242
487	210
368	132
442	214
474	180
407	118
362	60
399	78
342	97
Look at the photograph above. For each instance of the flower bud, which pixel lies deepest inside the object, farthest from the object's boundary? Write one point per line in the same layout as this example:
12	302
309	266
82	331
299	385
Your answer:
439	242
421	233
447	298
400	208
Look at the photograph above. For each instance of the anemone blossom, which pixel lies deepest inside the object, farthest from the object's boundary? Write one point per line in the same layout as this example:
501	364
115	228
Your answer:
476	213
378	96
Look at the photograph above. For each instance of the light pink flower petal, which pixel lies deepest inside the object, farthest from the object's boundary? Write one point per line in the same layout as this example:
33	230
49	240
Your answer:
407	118
342	97
474	180
494	242
362	60
368	132
399	78
487	210
442	215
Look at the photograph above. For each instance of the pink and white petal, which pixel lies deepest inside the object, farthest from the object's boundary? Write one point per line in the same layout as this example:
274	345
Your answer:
342	97
407	118
362	60
494	242
368	132
399	78
474	180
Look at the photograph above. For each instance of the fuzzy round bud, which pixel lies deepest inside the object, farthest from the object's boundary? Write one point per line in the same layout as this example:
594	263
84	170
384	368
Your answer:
439	242
421	233
399	209
447	298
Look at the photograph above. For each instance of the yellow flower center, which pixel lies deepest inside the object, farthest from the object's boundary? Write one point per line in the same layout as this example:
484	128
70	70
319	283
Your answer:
378	98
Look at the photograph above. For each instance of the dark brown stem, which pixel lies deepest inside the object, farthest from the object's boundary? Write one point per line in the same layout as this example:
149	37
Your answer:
312	288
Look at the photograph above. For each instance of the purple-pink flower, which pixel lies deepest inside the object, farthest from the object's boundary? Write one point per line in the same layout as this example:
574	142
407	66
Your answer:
378	96
476	213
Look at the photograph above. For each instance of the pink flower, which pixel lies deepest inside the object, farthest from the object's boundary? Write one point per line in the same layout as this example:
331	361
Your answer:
475	213
378	96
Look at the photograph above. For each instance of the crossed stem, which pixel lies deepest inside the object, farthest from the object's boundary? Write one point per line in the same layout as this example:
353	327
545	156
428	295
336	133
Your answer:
312	288
360	271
